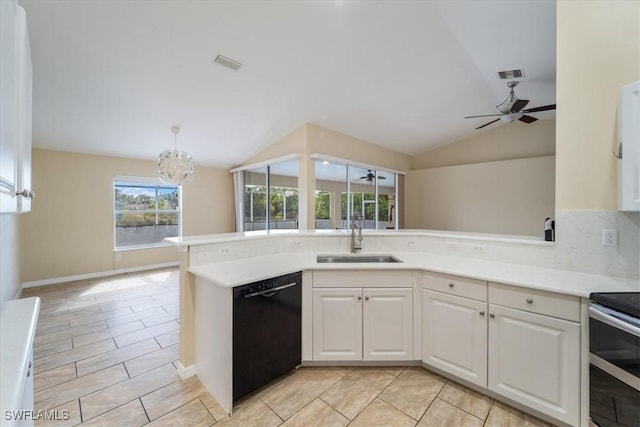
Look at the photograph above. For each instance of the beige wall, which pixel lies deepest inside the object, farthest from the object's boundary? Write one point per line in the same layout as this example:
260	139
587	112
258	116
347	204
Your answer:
9	257
505	197
509	141
598	52
70	228
335	144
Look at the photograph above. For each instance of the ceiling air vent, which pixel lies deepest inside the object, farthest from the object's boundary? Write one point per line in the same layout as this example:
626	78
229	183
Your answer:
228	62
510	74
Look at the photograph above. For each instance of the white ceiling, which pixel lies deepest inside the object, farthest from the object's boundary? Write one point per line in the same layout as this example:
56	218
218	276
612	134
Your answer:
112	77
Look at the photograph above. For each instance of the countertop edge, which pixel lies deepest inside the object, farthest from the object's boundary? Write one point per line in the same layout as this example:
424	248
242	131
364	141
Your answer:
242	271
19	319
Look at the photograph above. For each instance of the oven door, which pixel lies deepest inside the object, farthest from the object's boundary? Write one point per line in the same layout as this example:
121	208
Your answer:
614	371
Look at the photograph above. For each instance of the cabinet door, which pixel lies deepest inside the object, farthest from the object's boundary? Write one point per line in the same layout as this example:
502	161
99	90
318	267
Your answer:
535	360
454	335
337	324
8	106
388	324
23	152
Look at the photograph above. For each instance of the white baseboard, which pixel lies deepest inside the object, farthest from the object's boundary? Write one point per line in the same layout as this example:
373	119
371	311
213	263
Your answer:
77	277
187	372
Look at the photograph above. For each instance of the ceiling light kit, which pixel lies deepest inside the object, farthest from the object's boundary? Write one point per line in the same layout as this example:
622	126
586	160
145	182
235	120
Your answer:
511	109
175	166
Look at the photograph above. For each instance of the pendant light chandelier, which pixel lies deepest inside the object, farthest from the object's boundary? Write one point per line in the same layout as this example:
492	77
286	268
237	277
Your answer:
175	166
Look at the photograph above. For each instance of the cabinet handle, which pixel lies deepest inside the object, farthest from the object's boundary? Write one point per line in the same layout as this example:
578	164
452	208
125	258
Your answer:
30	364
482	313
529	300
28	372
359	298
451	285
492	315
27	194
366	298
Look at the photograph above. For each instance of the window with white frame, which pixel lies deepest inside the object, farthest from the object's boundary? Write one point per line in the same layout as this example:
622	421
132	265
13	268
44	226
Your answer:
145	212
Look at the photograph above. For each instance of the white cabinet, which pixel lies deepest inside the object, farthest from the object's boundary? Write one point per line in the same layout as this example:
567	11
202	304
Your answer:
535	360
362	324
523	344
388	324
15	109
8	105
629	137
337	324
454	335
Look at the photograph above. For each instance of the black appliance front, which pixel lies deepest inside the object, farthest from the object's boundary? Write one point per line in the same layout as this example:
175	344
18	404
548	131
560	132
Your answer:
614	371
267	331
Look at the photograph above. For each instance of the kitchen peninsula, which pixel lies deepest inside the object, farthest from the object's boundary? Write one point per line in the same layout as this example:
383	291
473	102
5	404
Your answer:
449	292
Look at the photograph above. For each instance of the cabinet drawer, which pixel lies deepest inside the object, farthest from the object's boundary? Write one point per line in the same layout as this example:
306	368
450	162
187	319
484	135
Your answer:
362	278
541	302
455	285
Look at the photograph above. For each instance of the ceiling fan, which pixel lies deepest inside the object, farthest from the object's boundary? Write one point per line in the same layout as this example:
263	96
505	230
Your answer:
370	177
512	109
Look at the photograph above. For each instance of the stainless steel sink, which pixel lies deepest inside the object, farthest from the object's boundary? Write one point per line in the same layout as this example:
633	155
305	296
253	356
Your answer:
339	259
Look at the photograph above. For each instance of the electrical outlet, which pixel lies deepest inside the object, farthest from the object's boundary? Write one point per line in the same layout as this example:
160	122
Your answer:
118	257
225	250
296	243
453	246
411	243
477	249
610	238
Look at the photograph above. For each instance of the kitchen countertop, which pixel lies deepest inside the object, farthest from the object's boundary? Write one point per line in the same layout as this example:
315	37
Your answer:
18	321
247	270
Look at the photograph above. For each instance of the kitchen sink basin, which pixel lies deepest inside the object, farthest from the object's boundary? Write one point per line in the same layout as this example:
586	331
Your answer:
341	259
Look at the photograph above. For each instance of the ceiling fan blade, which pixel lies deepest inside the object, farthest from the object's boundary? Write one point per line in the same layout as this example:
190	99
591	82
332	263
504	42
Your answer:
543	108
487	124
519	105
527	119
486	115
382	177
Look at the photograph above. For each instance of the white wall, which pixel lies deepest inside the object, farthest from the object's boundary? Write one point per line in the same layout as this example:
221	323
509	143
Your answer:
505	197
9	257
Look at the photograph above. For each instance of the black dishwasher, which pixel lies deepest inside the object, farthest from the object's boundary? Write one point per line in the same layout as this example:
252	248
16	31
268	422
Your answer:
267	331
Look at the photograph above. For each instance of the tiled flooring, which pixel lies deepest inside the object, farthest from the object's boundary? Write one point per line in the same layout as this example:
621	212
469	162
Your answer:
105	351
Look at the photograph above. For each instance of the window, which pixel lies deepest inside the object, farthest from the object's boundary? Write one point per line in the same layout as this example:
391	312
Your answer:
277	184
145	212
366	194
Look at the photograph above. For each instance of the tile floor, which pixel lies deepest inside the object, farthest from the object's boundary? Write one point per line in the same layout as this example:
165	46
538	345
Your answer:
105	352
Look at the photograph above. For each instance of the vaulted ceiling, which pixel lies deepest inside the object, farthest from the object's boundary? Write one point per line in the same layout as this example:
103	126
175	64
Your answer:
112	77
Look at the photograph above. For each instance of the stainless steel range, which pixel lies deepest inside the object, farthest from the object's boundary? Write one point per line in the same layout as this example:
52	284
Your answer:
614	369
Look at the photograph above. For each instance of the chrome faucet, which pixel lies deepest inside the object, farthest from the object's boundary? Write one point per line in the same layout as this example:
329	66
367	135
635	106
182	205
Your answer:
356	243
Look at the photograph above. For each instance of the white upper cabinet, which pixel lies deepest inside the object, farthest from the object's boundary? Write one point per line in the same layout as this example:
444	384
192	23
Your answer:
15	110
25	84
629	136
8	105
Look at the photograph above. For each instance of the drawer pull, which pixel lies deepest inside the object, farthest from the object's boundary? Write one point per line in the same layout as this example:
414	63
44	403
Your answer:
359	298
529	300
492	315
482	313
366	298
451	285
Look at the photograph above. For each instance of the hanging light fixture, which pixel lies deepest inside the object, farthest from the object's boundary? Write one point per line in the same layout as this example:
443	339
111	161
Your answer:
175	166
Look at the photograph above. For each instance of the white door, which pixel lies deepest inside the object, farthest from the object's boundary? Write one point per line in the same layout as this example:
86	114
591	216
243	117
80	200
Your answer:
388	324
337	324
454	335
535	360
